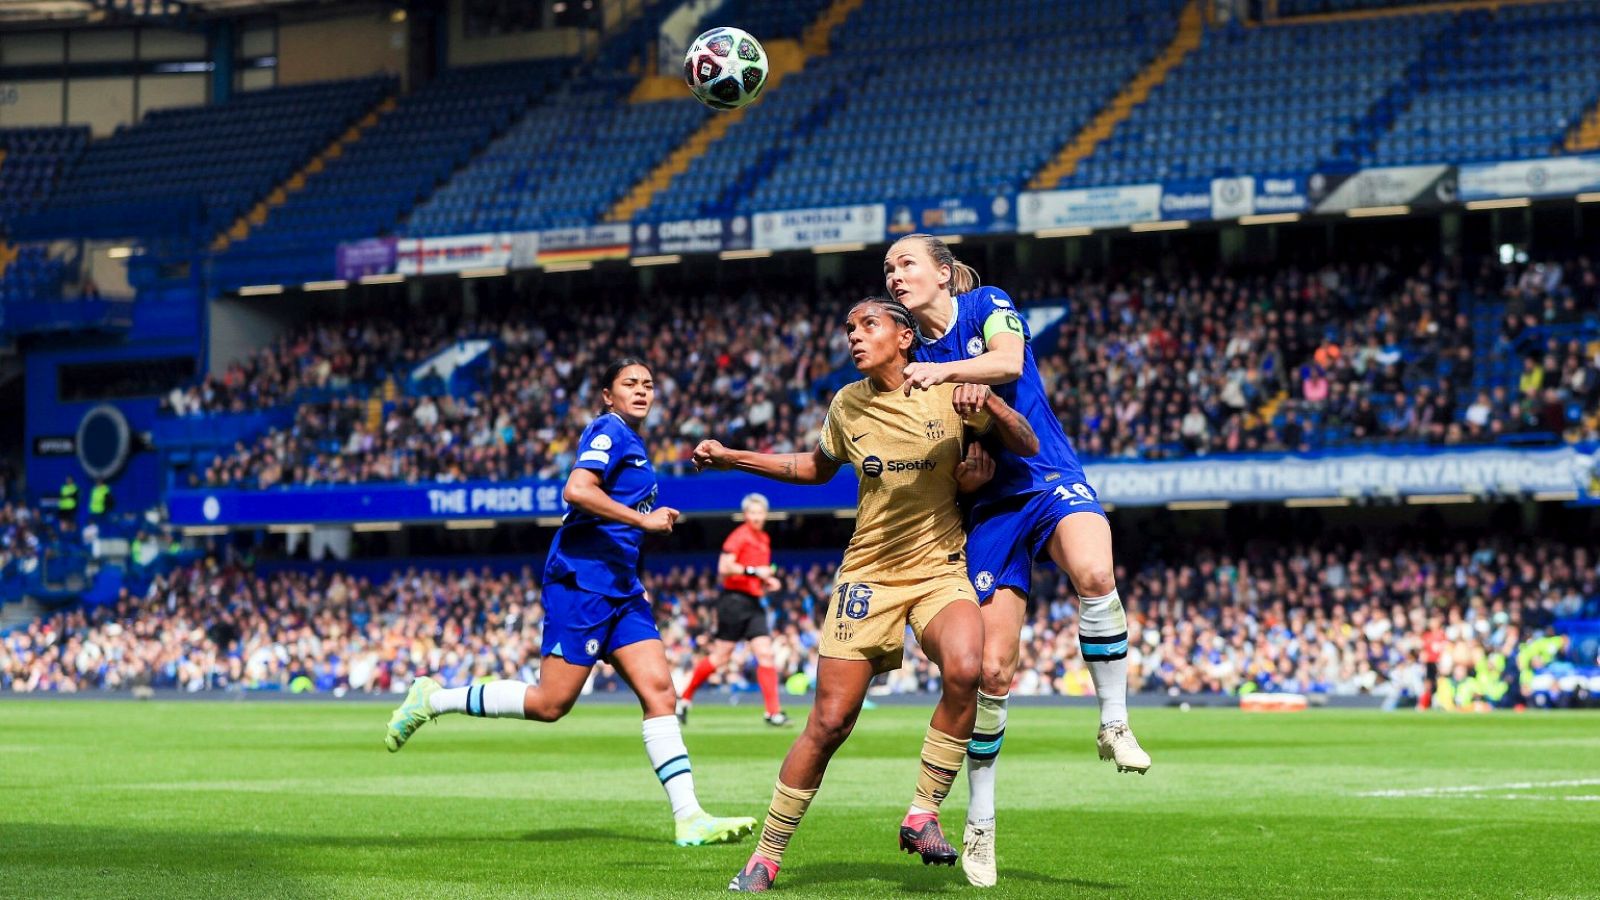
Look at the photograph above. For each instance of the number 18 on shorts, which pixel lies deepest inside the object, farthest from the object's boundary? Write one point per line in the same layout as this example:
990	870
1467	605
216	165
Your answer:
867	620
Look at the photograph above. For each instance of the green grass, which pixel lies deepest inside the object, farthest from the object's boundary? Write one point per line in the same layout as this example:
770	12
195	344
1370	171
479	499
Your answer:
291	800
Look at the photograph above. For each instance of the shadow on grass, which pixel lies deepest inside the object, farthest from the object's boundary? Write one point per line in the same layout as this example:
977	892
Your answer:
575	835
914	877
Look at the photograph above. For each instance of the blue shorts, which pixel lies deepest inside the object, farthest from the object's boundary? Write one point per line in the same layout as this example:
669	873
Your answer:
1003	545
583	627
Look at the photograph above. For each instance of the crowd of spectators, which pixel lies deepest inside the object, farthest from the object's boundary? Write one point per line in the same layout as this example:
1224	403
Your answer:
1296	618
742	368
1291	360
1144	366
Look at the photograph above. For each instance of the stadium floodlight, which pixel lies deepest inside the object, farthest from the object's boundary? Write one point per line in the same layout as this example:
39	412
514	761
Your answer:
664	259
1589	197
289	529
1317	502
1372	212
1198	505
260	290
1270	219
1555	496
388	278
1160	225
845	247
335	284
950	239
485	272
753	253
1502	203
576	265
1073	231
374	527
469	524
119	252
1439	499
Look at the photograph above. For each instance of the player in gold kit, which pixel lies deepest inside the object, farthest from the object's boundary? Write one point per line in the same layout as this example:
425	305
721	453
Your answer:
905	564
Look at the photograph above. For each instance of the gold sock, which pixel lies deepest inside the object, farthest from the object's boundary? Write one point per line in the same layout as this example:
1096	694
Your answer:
941	760
783	817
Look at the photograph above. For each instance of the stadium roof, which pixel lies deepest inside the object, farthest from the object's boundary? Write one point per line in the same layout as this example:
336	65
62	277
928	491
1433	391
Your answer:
68	12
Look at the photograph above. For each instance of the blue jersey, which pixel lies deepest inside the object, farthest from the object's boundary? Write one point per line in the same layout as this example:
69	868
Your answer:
979	316
600	555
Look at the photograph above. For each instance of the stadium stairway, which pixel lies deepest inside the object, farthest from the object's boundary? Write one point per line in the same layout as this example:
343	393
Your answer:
785	56
275	198
1585	135
1191	26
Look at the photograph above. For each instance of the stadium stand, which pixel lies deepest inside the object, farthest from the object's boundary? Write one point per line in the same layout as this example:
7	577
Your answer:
967	125
1502	85
1224	110
32	161
1148	367
191	171
1327	619
379	177
546	173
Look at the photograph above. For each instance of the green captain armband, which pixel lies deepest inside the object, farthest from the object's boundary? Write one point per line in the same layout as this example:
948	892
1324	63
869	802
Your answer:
1002	321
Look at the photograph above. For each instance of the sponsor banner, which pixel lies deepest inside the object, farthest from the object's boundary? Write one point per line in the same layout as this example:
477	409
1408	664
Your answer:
55	445
1188	199
686	236
524	249
1416	186
373	256
1559	176
452	253
972	214
1089	208
718	494
584	244
1126	483
1279	194
1233	197
793	229
1280	478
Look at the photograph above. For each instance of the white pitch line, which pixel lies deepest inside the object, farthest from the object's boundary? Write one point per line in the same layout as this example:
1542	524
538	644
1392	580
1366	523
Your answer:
1479	788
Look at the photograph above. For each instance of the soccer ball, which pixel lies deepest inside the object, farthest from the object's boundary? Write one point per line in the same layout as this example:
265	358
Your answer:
725	68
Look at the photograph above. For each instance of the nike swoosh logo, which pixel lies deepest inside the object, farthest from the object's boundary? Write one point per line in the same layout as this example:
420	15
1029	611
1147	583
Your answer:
858	437
640	462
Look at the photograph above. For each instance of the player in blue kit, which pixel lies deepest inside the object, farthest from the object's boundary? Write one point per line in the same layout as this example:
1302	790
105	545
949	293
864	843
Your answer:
1034	509
595	608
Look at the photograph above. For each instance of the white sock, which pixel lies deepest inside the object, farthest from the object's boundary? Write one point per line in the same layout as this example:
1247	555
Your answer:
493	700
1103	640
916	810
983	752
663	743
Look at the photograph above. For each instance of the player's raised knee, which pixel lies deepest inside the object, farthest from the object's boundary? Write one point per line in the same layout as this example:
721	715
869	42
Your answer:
1094	581
961	669
997	675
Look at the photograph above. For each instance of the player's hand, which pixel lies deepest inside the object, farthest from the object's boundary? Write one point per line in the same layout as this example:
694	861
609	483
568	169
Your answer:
661	519
974	470
970	399
711	455
921	376
771	583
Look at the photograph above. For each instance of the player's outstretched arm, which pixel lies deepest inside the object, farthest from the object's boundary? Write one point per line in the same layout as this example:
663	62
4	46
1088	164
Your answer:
1000	364
815	467
585	492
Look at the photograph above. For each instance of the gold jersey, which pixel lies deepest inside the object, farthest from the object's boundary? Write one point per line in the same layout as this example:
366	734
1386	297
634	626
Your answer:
905	451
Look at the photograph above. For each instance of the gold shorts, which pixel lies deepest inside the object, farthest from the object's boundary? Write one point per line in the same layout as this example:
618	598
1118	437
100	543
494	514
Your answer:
868	620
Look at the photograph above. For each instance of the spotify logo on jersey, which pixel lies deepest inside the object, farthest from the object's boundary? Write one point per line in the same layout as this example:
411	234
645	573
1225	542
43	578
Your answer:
872	467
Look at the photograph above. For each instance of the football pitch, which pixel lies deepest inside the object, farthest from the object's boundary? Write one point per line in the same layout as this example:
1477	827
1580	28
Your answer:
292	800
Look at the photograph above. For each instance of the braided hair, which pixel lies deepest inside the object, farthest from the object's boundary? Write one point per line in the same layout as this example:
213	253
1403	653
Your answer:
896	310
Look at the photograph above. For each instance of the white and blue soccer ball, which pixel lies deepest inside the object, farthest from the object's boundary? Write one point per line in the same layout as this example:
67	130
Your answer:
725	68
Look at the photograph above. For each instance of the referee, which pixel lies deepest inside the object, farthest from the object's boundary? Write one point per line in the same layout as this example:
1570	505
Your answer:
746	570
